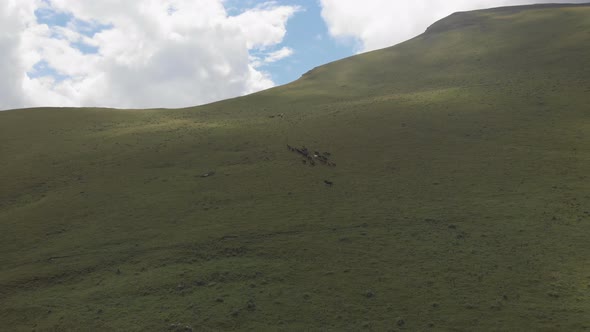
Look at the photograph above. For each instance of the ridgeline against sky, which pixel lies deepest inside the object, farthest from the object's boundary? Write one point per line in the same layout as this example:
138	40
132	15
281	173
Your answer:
176	53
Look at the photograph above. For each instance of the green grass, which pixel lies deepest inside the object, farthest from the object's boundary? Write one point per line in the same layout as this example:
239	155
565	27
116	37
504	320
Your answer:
460	198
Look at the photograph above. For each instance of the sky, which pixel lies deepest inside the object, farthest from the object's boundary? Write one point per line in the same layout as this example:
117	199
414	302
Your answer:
179	53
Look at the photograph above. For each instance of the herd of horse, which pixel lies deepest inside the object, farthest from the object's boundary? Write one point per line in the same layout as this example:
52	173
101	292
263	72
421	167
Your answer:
312	158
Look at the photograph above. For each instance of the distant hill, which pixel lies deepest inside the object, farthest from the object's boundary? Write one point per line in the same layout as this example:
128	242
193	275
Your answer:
446	189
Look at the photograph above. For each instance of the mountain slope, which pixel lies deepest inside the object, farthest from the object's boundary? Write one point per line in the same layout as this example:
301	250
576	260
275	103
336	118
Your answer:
460	197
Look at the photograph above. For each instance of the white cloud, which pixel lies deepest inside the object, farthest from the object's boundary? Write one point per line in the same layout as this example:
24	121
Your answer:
154	53
279	55
265	24
13	19
381	23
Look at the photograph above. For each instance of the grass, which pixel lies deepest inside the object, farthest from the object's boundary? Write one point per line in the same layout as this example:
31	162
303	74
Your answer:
460	198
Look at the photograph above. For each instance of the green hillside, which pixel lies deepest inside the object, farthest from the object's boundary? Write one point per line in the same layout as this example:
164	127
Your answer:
460	197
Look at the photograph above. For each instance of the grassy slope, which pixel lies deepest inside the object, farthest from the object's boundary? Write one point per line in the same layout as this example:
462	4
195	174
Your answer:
461	197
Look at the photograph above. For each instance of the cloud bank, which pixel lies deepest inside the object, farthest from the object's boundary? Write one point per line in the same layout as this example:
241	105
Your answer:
135	54
375	24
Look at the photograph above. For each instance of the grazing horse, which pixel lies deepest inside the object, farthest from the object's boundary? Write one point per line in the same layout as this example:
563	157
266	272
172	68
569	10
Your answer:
328	183
303	152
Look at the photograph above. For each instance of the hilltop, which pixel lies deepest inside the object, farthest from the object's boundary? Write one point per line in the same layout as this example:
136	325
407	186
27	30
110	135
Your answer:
459	197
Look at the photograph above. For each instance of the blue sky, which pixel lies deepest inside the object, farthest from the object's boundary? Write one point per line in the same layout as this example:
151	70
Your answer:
308	36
